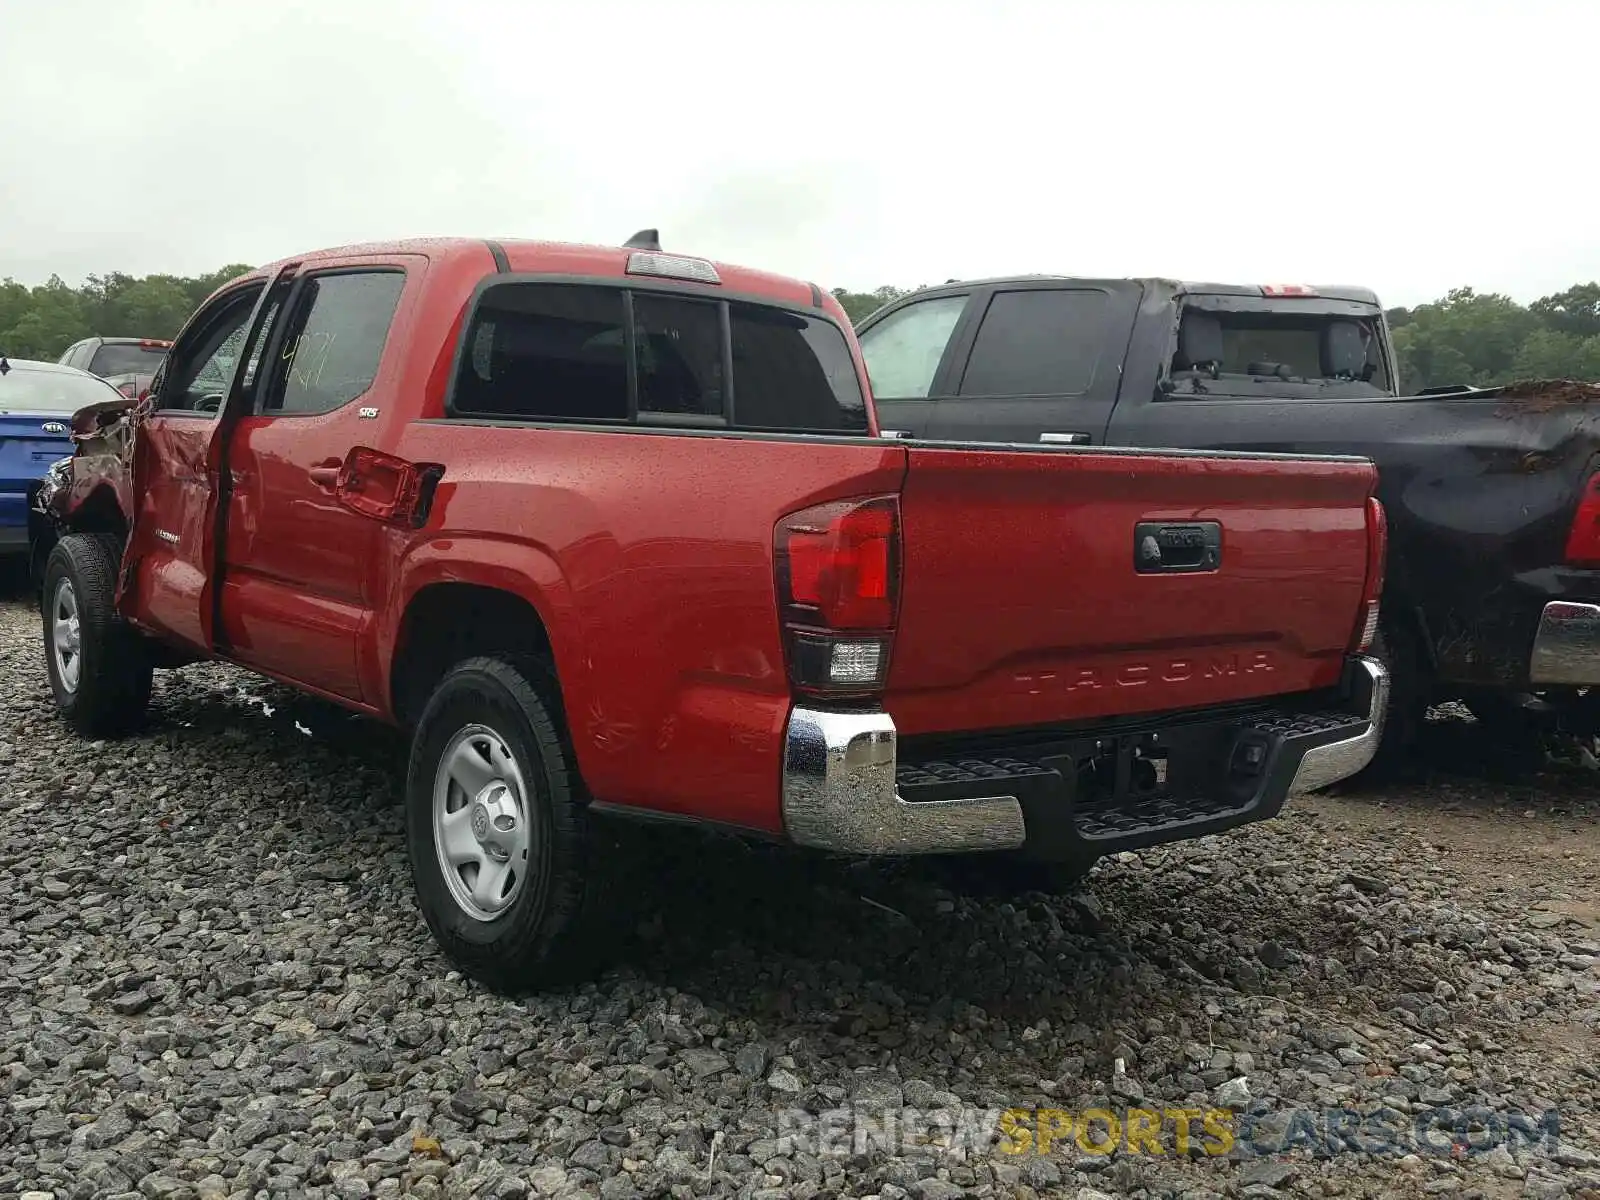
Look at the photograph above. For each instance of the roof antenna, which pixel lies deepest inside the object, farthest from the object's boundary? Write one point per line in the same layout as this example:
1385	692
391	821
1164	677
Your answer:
5	367
645	239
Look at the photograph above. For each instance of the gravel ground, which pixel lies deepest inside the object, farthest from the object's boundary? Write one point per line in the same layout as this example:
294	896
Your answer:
213	983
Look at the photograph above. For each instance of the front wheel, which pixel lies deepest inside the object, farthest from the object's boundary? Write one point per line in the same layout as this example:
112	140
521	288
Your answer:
500	844
99	668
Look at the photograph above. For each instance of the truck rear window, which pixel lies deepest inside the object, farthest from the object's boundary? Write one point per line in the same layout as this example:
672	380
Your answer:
127	358
1253	348
1251	340
559	352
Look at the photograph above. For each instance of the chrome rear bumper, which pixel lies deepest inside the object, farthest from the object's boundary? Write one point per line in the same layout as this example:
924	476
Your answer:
1566	647
1324	765
839	794
840	790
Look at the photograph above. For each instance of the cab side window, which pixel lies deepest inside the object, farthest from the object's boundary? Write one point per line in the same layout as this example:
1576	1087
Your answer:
199	371
1038	342
903	351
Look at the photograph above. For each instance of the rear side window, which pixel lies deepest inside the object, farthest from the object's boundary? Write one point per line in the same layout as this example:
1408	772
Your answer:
1039	342
126	359
334	341
560	352
792	372
553	352
903	350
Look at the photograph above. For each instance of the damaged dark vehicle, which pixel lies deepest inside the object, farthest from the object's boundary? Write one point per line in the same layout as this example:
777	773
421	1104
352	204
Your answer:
1492	495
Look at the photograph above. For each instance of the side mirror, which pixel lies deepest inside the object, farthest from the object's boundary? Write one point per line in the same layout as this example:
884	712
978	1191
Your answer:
91	419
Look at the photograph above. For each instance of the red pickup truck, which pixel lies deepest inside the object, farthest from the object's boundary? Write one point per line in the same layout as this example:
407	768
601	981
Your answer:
610	533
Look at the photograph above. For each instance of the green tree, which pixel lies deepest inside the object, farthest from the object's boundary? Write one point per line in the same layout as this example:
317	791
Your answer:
1575	311
1466	337
202	286
47	324
155	302
1549	354
42	321
860	305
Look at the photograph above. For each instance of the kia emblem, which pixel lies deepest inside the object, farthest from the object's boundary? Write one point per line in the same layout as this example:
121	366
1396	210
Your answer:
53	427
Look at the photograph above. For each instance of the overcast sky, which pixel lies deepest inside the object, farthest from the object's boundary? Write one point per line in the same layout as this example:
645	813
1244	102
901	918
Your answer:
1409	146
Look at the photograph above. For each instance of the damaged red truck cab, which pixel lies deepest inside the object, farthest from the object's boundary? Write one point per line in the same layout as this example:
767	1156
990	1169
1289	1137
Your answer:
610	533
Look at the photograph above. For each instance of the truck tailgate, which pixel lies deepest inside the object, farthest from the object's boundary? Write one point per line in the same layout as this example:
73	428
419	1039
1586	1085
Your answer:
1022	603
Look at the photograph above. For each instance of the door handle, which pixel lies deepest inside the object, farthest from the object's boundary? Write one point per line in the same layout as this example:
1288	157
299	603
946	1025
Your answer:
1064	439
325	475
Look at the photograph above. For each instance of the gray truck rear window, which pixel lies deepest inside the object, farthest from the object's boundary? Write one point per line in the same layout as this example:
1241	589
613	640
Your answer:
126	358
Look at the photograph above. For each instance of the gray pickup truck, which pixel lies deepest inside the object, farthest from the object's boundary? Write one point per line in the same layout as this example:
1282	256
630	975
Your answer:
1492	495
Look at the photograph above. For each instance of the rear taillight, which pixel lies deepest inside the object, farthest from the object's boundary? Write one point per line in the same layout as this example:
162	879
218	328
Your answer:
838	582
1372	590
1583	540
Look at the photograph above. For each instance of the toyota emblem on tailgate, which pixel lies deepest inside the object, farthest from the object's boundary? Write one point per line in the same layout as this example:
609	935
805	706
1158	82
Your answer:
1176	547
53	427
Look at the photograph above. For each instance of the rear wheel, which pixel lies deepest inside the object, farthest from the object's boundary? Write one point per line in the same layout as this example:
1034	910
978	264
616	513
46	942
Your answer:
1513	745
99	667
500	844
1400	652
1003	874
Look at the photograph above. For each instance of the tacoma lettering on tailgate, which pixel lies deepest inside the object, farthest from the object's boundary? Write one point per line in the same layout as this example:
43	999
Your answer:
1137	674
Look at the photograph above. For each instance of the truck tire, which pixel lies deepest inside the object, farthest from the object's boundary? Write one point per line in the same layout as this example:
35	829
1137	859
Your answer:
41	541
1396	759
1513	741
99	667
500	844
1001	875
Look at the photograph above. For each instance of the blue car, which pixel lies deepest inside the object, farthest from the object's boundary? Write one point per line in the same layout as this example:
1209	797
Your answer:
37	400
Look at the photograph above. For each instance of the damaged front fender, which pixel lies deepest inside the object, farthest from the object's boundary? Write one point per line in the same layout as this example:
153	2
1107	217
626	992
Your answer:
91	489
